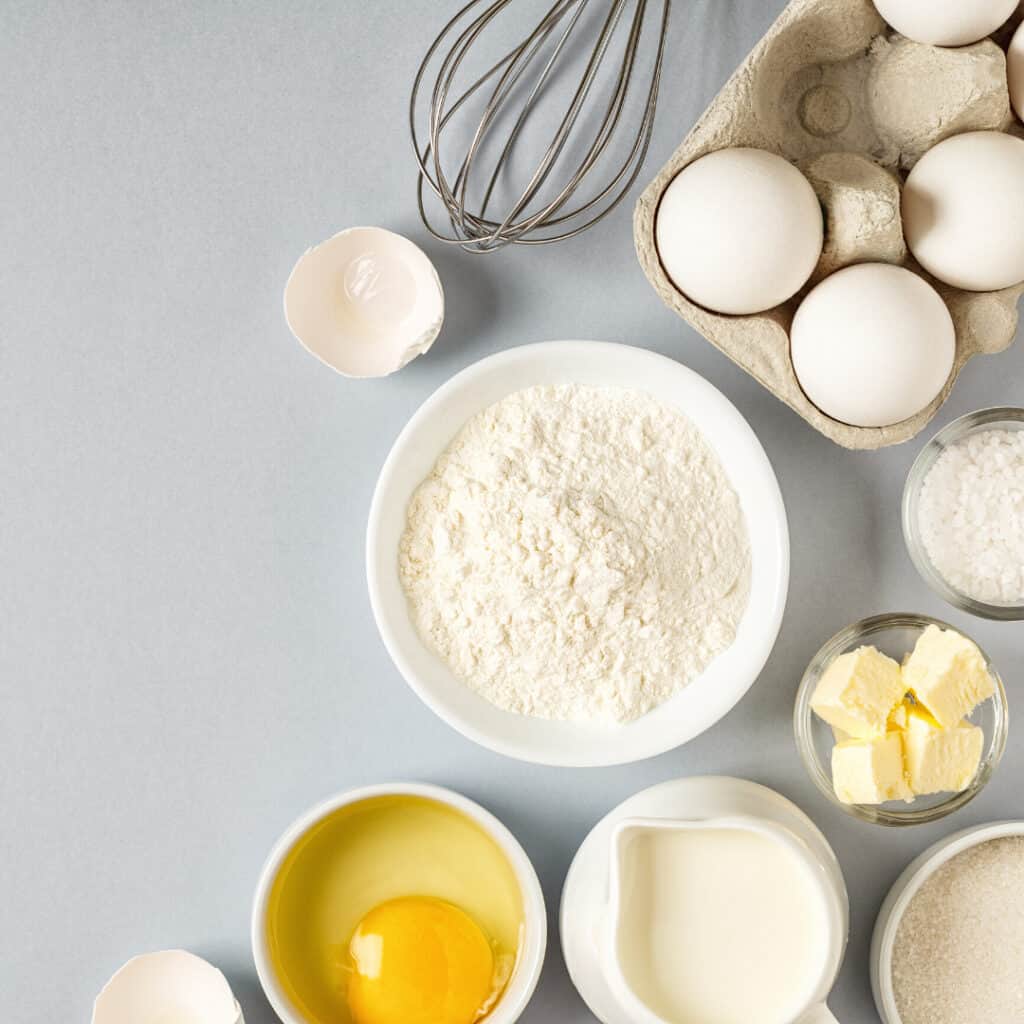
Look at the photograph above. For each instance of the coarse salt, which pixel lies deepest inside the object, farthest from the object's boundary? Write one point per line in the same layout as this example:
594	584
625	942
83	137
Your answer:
960	944
971	516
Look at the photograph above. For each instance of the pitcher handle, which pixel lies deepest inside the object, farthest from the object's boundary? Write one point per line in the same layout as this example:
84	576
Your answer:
819	1014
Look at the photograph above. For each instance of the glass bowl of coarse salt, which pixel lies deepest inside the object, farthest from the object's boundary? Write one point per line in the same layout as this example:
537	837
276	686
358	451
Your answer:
963	513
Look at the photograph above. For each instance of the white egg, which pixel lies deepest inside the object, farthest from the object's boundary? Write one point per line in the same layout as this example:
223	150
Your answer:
963	211
168	986
946	22
739	231
1015	60
872	345
366	302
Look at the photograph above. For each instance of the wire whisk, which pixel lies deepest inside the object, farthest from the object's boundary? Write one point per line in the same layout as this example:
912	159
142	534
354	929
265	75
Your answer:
602	124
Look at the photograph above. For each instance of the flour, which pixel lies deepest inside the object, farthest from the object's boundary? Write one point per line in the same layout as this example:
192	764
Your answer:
577	554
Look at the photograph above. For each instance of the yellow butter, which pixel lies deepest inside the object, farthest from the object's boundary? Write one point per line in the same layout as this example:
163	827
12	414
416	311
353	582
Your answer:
898	719
940	760
948	675
858	692
897	723
870	771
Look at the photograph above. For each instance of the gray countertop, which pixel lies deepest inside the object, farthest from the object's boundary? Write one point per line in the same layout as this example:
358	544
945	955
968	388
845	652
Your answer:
187	654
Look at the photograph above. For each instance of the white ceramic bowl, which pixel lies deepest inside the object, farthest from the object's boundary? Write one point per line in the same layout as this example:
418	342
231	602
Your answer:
598	364
530	960
904	890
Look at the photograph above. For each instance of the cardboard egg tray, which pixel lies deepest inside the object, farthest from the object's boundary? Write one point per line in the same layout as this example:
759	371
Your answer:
854	105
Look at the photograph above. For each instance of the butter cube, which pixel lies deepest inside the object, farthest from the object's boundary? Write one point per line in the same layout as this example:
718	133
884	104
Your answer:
858	692
940	760
870	771
897	723
948	675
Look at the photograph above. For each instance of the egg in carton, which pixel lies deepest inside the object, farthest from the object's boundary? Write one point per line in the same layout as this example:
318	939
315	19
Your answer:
837	92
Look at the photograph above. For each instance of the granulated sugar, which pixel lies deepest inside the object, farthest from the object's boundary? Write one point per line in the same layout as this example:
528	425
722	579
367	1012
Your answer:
971	516
959	952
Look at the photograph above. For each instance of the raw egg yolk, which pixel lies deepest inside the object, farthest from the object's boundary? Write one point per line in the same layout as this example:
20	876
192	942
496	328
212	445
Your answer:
418	960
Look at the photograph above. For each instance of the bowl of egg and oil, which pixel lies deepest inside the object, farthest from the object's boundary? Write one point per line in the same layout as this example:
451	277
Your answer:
398	904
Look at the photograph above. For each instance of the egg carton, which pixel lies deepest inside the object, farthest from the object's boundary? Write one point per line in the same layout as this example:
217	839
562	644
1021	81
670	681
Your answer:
834	90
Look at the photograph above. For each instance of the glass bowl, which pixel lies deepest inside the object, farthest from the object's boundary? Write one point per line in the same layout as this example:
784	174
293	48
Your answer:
1004	418
896	636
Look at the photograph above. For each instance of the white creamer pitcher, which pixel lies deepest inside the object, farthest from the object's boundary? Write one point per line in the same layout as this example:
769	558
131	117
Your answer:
721	919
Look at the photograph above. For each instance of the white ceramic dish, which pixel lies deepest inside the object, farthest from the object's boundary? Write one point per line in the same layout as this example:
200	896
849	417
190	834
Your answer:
587	890
530	960
598	364
904	890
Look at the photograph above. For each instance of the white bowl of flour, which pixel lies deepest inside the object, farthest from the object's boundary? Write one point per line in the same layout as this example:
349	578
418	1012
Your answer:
578	554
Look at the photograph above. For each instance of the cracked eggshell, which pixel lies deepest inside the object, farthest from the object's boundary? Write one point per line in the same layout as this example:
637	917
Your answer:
946	22
1015	60
365	302
168	986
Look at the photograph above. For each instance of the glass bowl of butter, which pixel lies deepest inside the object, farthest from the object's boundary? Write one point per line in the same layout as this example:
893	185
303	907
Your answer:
901	719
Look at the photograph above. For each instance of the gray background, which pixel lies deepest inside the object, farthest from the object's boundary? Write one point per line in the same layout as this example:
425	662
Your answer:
187	654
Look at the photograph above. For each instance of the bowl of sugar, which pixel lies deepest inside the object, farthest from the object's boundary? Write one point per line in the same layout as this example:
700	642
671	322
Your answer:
963	513
946	947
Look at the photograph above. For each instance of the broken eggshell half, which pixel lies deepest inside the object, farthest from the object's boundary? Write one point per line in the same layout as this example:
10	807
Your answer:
169	985
365	302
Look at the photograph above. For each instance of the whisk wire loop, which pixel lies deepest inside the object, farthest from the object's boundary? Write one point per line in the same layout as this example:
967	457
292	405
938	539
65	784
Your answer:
505	85
539	212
